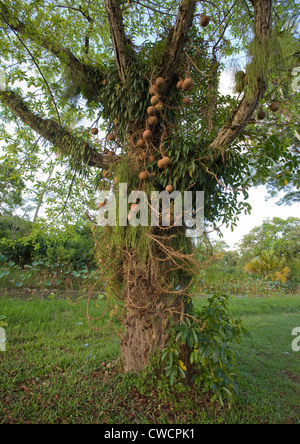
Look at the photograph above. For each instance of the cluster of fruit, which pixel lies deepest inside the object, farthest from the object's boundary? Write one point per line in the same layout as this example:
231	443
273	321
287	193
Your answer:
156	105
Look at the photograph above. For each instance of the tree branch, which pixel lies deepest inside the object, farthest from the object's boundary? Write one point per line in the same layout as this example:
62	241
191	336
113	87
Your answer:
246	108
42	75
21	28
62	53
82	12
123	49
50	130
179	37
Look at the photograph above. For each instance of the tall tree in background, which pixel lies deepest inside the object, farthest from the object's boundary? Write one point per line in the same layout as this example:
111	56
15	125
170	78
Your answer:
125	65
278	235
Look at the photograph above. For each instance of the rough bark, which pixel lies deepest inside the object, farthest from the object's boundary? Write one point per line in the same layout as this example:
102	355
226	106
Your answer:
148	317
122	48
213	85
50	130
246	108
147	330
179	38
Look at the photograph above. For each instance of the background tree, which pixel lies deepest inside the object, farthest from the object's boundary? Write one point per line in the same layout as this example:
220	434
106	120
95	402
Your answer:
278	235
270	266
272	249
99	59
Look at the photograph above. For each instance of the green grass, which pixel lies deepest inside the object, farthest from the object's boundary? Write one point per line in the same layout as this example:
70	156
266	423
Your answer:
57	369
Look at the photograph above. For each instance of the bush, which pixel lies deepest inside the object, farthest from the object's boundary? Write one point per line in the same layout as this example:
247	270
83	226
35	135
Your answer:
24	243
209	334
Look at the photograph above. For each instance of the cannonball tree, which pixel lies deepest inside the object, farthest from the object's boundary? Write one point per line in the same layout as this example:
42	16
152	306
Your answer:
146	75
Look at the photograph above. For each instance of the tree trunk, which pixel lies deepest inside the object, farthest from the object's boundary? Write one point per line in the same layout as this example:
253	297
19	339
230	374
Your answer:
148	318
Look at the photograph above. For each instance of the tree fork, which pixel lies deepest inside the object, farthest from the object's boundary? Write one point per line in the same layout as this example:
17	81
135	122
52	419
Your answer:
121	45
179	37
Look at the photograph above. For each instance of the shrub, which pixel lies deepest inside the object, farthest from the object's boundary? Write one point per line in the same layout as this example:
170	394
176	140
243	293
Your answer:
268	265
209	335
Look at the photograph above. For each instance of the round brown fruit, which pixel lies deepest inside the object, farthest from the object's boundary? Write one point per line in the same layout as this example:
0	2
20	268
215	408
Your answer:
187	101
95	131
153	120
275	107
160	81
151	159
166	160
111	137
154	100
153	90
261	115
140	143
161	164
205	19
104	82
179	84
142	156
147	134
151	110
144	175
187	84
169	188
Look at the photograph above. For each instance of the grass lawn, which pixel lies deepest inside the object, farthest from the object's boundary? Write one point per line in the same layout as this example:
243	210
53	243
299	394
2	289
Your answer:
56	369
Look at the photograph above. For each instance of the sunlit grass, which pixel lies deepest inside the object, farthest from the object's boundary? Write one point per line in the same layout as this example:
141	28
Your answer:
57	369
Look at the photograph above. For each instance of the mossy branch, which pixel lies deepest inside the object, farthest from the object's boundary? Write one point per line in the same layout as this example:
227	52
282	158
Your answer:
91	75
249	103
123	48
178	40
80	152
